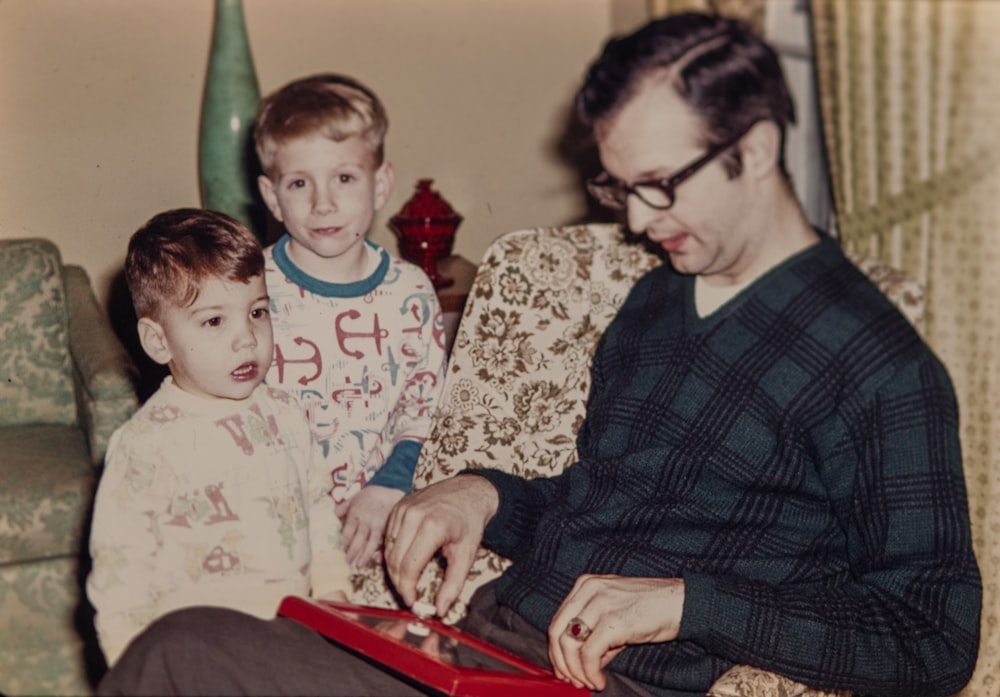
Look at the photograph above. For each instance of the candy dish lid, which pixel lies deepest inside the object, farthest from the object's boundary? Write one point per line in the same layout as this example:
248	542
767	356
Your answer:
426	205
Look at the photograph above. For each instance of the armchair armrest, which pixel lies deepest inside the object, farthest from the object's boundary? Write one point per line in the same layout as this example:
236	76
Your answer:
103	371
747	681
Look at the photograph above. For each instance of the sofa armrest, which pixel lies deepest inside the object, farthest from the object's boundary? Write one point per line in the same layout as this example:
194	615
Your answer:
104	372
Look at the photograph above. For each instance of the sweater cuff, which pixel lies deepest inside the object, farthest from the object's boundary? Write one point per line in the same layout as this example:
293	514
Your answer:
397	471
700	601
502	521
717	612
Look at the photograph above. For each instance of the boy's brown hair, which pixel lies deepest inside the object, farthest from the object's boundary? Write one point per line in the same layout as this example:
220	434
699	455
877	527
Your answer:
335	106
176	251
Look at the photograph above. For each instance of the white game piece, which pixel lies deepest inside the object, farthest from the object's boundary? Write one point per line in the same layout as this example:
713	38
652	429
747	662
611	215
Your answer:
422	609
418	629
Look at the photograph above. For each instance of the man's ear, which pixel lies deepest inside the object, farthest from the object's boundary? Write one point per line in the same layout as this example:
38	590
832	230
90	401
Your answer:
270	197
384	179
153	340
760	149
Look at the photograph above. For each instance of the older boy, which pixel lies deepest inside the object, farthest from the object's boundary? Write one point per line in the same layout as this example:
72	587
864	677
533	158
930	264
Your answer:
211	494
358	333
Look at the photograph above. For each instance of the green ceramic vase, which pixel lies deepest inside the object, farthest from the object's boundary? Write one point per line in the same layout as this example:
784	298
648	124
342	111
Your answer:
227	166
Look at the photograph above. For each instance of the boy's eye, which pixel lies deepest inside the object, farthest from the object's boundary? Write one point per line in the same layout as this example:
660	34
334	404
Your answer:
297	184
259	313
213	322
346	178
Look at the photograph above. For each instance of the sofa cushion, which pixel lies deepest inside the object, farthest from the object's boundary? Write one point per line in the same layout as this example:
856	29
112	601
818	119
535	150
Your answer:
48	484
42	651
36	379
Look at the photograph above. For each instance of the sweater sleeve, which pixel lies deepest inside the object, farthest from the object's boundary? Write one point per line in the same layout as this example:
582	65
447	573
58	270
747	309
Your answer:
522	504
123	541
397	472
903	617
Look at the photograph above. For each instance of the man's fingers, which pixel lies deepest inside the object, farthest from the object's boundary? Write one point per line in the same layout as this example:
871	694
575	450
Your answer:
407	553
557	659
573	648
591	653
460	557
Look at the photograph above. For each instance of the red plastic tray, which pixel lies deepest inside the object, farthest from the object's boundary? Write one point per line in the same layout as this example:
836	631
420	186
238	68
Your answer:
429	651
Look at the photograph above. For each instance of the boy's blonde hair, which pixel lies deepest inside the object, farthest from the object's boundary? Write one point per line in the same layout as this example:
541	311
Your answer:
335	106
171	256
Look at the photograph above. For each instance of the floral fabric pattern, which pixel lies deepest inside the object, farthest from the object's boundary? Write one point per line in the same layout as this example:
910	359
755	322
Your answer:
51	329
36	382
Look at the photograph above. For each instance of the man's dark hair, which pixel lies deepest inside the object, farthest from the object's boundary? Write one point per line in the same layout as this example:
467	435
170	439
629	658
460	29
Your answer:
728	76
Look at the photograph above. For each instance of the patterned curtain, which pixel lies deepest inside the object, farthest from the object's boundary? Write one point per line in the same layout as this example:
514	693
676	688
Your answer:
749	11
910	98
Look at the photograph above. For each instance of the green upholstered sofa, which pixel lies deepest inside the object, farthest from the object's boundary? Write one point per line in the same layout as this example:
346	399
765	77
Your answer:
66	383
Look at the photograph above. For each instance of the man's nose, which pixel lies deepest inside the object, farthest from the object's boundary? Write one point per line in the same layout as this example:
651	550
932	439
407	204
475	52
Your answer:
640	215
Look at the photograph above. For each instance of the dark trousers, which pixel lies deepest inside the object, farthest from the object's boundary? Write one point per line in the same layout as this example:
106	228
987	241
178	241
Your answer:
215	651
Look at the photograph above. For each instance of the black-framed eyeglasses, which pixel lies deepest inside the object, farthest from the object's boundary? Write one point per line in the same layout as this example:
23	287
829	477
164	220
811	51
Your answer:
655	193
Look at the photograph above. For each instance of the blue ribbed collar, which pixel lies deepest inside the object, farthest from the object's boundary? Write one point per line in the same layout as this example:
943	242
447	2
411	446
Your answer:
325	288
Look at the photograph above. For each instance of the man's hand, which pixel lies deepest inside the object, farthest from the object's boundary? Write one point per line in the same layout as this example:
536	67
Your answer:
364	516
449	516
607	614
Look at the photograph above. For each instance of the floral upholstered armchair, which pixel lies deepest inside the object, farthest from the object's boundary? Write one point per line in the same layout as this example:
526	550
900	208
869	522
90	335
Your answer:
517	382
65	385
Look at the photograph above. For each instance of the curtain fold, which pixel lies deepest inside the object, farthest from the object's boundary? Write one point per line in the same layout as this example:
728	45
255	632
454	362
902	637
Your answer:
910	99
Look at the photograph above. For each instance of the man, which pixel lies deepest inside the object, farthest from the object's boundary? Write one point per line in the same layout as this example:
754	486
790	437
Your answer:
770	471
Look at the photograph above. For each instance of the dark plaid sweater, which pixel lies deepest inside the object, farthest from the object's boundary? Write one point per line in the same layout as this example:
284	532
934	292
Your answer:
795	458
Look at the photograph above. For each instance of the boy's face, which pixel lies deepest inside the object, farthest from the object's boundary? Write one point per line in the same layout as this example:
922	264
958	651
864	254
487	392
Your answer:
221	345
326	193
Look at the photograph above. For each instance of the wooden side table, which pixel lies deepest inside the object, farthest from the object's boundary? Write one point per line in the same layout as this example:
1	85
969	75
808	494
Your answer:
453	297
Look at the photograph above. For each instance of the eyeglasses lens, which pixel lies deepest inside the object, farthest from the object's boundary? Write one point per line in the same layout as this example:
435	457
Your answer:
614	194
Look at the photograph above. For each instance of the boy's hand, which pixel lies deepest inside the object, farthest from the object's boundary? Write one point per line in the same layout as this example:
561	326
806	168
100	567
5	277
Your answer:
364	517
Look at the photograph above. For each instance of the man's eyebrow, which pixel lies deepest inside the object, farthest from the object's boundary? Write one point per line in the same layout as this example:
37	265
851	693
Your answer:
655	174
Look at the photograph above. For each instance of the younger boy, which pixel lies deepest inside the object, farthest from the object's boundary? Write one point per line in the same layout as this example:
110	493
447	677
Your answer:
210	494
358	333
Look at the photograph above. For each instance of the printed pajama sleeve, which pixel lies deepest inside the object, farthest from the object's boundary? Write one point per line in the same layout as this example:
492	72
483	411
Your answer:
329	570
411	418
123	544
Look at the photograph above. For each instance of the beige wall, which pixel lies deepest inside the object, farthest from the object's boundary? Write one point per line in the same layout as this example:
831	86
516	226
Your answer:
99	106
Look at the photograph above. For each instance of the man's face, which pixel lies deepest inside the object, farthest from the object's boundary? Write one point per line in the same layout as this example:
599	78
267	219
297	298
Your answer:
326	193
653	136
